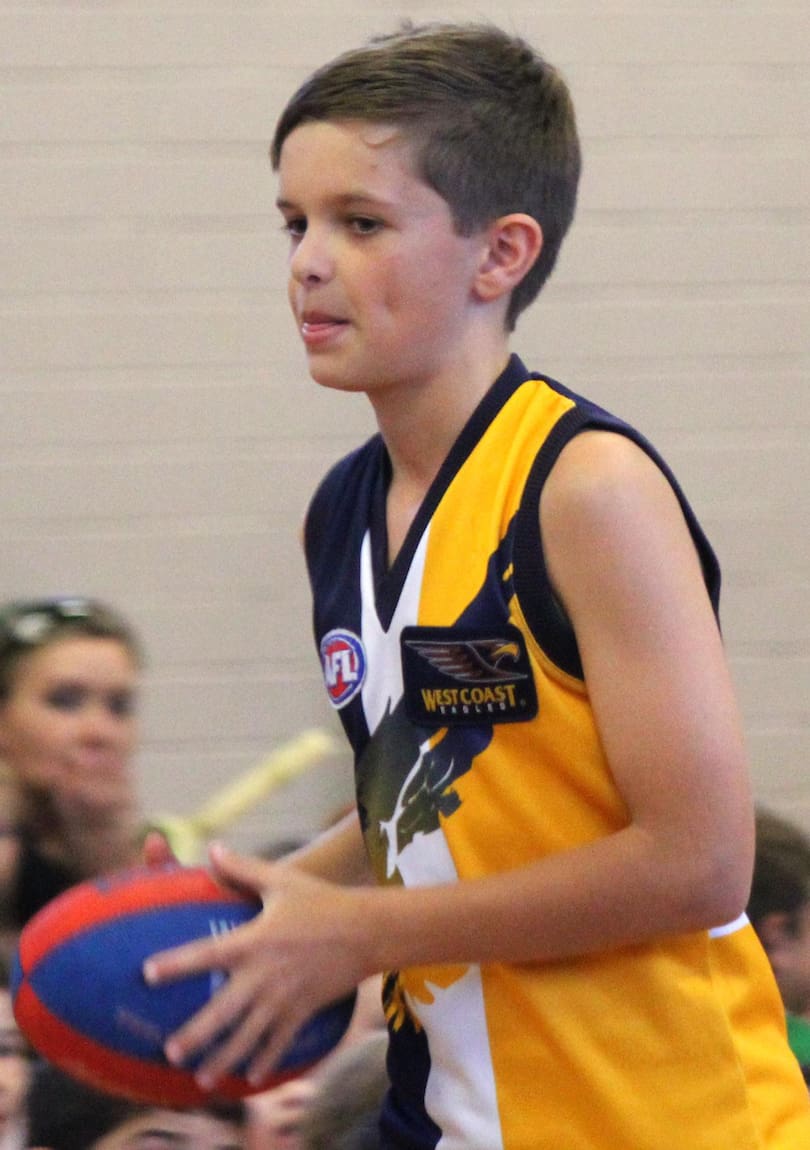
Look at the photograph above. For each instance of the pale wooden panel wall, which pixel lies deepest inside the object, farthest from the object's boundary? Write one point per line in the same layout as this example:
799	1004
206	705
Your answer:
158	434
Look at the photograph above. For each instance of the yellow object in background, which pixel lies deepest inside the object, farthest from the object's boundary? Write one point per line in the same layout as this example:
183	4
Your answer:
188	834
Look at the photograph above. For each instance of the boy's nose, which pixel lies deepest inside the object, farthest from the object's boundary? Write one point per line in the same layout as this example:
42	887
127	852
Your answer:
311	261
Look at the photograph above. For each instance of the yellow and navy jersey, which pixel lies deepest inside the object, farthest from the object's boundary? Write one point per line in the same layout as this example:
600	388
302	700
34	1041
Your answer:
458	681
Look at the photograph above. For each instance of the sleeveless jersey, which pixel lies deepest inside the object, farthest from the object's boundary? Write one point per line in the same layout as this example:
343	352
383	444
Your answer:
458	681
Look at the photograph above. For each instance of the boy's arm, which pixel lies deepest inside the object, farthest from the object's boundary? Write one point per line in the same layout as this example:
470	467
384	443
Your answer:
625	568
337	855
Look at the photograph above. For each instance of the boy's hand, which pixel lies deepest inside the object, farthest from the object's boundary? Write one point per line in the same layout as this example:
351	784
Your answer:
301	952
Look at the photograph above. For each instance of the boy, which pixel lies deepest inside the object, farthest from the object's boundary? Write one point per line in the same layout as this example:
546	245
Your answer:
67	1115
779	909
515	610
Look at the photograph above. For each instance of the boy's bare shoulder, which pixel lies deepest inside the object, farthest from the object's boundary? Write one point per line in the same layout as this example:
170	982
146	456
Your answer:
600	471
614	533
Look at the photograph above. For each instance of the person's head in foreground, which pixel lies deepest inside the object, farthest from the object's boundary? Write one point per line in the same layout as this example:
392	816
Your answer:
64	1114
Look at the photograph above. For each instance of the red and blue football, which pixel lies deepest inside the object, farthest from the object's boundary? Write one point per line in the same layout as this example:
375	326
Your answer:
81	999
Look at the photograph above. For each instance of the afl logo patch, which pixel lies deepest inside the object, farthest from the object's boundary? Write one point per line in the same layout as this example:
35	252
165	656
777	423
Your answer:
344	666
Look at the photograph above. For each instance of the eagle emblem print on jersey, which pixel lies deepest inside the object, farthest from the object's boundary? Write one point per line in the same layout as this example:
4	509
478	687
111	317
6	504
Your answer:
406	780
472	660
458	683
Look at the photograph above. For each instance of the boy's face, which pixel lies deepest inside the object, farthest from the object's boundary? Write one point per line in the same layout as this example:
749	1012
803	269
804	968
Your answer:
174	1130
381	285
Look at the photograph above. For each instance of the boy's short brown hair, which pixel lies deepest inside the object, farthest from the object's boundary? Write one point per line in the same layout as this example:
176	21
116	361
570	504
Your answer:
492	123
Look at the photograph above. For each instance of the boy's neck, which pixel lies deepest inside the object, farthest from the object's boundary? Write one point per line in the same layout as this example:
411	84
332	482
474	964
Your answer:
420	424
419	428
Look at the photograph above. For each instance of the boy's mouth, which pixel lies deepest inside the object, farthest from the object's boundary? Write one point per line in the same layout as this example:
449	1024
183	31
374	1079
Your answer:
317	326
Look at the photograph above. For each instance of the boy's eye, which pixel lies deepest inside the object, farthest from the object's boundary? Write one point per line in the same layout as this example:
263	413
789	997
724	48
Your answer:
364	225
295	227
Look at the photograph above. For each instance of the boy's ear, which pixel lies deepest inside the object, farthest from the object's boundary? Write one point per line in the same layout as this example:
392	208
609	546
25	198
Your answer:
513	244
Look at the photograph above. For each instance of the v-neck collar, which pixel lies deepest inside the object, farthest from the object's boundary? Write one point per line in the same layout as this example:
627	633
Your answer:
389	581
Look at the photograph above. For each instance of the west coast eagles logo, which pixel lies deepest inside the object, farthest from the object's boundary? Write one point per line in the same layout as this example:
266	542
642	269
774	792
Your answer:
344	666
471	660
456	676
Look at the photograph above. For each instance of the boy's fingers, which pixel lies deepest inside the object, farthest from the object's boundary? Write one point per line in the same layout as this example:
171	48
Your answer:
256	1040
190	958
239	870
234	1051
268	1057
224	1013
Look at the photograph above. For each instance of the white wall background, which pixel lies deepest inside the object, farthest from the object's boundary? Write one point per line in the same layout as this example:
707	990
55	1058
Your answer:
159	436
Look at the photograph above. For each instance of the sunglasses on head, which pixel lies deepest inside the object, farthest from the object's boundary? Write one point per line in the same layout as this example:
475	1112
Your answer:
28	624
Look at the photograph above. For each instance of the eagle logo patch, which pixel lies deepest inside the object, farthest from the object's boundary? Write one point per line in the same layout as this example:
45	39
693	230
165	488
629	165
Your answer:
457	676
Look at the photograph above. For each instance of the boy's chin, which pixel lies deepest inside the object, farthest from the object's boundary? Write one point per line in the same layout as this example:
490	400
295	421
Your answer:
329	377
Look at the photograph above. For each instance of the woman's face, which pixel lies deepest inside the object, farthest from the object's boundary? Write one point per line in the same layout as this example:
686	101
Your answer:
70	712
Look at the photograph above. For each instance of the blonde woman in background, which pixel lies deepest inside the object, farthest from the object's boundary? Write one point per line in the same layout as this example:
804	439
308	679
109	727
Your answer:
69	676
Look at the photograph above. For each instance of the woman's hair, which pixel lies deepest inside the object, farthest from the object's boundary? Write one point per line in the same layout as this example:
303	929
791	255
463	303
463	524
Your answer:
491	122
27	625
